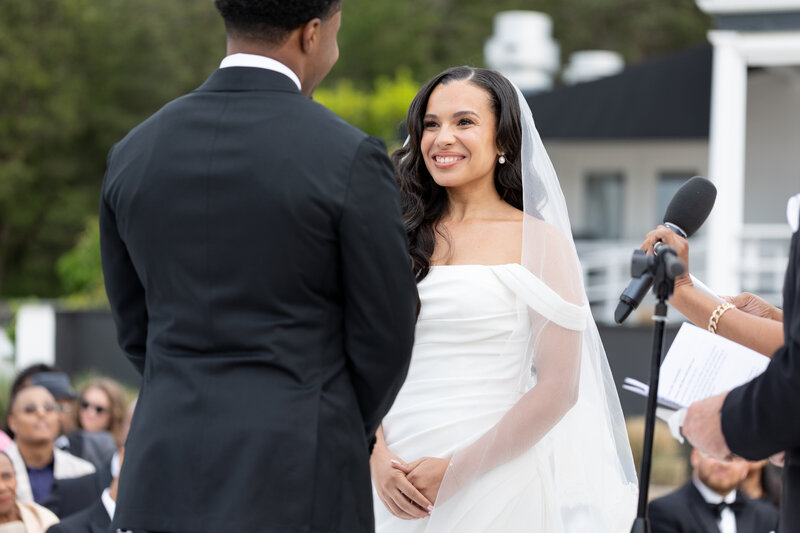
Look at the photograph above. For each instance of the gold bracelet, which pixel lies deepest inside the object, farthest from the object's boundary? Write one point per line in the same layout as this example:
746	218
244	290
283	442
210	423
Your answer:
713	320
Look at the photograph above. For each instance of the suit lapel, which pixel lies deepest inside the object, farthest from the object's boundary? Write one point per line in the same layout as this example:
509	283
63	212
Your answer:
99	520
746	519
701	511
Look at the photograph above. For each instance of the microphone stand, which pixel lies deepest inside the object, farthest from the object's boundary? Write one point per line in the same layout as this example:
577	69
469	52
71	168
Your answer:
664	267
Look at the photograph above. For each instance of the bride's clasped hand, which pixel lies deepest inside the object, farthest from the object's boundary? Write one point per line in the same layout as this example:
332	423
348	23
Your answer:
405	496
408	490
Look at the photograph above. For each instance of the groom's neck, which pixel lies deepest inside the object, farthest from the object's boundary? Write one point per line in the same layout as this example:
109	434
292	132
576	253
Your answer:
282	53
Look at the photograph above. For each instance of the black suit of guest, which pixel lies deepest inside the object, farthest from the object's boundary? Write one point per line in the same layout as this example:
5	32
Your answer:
93	519
685	511
71	495
762	417
256	265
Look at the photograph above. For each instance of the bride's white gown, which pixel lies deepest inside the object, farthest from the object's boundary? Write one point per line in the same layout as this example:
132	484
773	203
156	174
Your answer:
466	372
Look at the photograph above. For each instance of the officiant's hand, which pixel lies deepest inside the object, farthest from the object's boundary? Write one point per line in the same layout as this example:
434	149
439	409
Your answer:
703	427
396	492
426	475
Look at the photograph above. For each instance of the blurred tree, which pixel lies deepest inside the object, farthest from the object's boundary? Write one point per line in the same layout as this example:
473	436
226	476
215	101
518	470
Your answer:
80	270
637	29
427	36
76	75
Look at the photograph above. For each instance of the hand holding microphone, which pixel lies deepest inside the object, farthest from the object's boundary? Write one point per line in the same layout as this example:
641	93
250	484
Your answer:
685	213
663	236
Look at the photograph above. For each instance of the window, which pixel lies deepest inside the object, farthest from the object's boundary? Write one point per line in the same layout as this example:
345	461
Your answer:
604	205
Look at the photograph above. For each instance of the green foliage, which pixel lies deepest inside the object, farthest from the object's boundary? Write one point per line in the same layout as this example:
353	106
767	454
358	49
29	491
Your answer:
379	112
75	76
80	269
637	29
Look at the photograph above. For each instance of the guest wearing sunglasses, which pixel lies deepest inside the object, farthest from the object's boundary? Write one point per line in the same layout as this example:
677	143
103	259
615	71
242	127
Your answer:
101	407
33	417
97	421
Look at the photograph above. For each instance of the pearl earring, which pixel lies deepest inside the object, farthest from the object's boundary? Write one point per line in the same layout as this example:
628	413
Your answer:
502	159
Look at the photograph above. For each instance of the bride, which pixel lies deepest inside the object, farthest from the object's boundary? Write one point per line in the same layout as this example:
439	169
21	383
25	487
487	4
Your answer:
509	419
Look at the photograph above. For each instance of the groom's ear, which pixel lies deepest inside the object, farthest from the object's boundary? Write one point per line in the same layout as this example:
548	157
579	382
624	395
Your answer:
310	35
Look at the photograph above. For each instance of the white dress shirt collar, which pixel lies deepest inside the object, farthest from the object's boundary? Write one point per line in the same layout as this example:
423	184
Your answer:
256	61
108	503
727	520
793	211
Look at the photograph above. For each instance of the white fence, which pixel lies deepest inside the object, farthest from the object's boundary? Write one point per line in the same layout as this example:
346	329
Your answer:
762	267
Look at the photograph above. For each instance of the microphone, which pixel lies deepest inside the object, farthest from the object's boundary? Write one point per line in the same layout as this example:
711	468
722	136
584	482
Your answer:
686	212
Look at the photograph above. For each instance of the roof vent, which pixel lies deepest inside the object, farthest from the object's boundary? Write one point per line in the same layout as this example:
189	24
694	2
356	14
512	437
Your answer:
589	65
523	49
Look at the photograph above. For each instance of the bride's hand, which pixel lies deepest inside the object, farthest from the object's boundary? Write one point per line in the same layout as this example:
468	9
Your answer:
426	475
396	492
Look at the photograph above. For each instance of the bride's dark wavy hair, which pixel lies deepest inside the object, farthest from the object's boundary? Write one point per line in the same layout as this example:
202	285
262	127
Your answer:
422	200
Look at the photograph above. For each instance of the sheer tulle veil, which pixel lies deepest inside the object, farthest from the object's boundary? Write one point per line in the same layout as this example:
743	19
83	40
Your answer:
583	443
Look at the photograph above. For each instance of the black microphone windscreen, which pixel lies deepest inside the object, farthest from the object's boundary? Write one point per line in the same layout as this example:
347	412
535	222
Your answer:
691	205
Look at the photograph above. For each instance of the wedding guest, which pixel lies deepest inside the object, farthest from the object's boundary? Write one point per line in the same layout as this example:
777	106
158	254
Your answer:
94	518
98	419
97	447
101	406
77	494
33	416
710	502
5	441
16	516
97	517
23	377
72	495
763	482
59	385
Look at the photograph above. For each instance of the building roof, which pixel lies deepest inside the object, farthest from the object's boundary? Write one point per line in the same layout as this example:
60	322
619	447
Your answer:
668	97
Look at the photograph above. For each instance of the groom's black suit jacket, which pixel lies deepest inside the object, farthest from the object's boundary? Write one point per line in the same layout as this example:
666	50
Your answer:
256	265
762	417
685	511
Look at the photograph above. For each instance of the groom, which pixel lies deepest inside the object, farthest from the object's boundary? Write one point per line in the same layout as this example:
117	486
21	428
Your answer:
256	266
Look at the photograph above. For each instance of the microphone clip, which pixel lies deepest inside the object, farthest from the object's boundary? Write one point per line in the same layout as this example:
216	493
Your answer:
658	271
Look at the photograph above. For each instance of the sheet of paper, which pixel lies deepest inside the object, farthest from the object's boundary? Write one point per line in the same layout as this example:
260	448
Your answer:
700	364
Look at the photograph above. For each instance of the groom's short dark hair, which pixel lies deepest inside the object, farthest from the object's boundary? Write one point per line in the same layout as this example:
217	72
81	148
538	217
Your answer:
271	21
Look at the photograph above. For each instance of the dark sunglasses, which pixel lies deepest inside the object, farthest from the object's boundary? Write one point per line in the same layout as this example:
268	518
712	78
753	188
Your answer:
98	409
32	408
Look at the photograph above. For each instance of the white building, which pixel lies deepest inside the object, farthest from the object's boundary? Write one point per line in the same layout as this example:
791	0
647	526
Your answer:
729	111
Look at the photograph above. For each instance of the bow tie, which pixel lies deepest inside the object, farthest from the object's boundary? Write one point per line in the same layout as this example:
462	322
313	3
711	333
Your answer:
717	508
